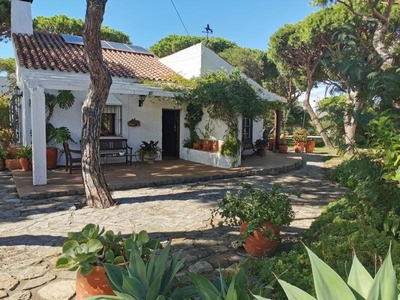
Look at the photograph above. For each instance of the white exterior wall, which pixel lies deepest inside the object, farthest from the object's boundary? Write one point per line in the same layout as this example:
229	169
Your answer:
207	158
149	115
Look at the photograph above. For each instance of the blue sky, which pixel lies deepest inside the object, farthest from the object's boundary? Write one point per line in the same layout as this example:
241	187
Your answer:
248	23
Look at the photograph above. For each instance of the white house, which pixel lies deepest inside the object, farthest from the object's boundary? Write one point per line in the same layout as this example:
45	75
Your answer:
199	60
48	63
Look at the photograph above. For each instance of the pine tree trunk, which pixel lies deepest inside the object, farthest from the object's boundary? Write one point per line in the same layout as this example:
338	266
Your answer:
314	117
350	124
97	192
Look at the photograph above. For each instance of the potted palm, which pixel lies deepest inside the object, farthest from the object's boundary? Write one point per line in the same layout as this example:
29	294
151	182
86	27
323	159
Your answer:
300	138
54	135
149	151
86	252
260	215
25	157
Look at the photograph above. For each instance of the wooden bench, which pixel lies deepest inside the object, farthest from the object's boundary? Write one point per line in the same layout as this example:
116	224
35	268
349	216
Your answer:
112	148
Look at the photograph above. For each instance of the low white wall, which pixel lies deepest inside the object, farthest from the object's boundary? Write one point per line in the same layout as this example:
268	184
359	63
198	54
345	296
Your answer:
215	159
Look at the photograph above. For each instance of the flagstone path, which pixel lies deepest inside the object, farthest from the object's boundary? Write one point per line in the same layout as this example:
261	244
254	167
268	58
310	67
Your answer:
32	231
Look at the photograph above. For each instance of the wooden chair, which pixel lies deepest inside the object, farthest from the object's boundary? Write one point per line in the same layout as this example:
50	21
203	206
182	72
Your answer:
69	160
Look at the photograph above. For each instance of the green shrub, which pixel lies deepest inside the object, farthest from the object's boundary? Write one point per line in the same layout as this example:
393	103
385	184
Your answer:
355	222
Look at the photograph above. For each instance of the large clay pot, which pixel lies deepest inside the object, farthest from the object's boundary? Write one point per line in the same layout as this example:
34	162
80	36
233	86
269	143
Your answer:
310	145
299	147
2	164
257	244
283	148
207	146
93	284
271	144
13	164
24	163
214	145
51	158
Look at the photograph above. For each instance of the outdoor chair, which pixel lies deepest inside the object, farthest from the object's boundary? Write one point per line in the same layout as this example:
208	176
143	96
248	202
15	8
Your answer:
69	159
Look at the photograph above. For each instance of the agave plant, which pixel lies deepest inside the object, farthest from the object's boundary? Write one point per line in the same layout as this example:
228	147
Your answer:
219	288
143	280
360	284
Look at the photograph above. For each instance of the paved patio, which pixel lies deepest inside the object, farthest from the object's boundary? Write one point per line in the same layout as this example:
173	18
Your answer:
121	176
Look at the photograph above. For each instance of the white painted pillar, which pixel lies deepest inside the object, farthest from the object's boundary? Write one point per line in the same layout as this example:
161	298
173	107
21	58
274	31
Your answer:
25	121
38	135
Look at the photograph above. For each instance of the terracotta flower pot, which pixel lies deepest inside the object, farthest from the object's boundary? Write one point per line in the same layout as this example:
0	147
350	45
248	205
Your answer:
299	147
51	158
13	164
283	148
196	145
93	284
214	145
207	146
271	144
257	244
24	163
310	145
2	164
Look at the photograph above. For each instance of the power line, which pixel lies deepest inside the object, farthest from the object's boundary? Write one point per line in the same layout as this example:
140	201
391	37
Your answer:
183	24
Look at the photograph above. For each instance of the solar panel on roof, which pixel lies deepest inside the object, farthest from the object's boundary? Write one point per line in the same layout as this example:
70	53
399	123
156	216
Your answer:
139	49
73	39
119	46
105	45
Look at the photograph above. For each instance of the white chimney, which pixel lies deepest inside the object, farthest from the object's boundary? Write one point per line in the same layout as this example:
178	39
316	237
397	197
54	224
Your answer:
21	16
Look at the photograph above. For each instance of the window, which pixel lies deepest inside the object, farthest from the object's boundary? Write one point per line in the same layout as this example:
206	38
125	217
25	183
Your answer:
108	124
247	129
111	123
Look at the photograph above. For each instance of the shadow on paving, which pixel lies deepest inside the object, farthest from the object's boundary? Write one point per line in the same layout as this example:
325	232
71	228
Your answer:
206	242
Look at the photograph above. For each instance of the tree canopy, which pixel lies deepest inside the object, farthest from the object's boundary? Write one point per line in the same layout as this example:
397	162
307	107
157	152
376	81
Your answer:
5	20
56	24
64	24
174	43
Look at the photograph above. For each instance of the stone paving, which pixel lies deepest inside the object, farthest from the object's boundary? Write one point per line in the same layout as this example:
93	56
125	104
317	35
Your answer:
32	231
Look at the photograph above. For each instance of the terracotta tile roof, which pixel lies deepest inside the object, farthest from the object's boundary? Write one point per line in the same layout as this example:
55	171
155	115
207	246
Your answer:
48	51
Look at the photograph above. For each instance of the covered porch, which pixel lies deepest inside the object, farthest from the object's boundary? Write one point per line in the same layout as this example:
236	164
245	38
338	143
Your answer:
122	176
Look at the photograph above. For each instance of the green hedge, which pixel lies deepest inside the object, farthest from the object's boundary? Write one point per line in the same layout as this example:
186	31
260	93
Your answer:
353	223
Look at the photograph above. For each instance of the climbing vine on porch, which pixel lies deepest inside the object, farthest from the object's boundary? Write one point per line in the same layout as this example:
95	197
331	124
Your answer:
194	113
227	96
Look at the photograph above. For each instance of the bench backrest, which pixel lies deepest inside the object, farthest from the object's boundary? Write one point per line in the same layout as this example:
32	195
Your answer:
113	144
247	144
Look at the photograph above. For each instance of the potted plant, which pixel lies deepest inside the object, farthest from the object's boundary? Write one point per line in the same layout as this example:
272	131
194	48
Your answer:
56	136
6	137
11	160
86	252
153	278
65	100
206	134
149	151
133	123
283	147
260	215
310	145
3	156
271	142
25	157
300	138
